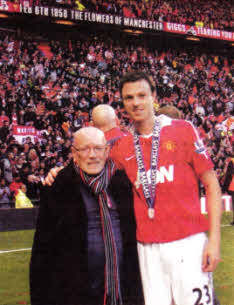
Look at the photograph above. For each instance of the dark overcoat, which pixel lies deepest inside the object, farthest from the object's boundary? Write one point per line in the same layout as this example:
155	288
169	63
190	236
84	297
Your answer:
59	271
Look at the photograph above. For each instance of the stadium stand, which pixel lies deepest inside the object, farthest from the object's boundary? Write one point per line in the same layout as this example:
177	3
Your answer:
216	14
49	87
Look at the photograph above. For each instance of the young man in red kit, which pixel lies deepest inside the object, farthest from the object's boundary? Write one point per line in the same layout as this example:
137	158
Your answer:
164	160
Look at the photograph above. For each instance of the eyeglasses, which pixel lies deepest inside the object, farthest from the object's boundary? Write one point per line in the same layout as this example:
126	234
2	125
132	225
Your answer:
86	150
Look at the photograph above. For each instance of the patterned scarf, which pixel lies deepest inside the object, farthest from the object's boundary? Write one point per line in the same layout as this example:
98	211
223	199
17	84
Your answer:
98	185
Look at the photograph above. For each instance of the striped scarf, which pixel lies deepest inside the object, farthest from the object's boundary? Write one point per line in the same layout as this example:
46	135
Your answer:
98	185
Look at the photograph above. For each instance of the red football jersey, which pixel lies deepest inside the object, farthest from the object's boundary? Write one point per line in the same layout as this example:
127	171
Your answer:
182	158
114	133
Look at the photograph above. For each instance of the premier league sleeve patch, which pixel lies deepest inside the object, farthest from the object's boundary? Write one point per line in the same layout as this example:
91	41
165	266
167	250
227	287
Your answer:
200	148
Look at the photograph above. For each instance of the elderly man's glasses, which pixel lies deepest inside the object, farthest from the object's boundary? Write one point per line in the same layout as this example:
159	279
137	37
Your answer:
86	150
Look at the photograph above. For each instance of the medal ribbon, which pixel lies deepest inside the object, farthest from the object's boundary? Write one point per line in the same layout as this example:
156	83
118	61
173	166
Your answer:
149	191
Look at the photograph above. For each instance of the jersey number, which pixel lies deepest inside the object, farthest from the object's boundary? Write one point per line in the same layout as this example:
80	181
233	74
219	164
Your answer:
199	297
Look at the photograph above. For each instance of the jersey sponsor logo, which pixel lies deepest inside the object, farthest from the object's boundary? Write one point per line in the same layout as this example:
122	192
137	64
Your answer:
163	175
200	148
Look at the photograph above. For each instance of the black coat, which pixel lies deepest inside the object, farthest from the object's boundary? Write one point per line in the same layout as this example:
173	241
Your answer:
59	266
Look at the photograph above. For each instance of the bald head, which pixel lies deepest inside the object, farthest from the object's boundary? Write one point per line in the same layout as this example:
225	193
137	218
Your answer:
104	117
89	150
90	134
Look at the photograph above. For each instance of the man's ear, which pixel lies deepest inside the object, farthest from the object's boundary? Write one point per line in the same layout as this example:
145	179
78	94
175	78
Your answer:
117	121
108	148
74	155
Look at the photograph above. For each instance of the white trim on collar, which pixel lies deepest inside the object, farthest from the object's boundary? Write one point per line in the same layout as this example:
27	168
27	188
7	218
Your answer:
164	121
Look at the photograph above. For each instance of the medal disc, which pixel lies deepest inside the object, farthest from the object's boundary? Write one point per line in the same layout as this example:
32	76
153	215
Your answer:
151	213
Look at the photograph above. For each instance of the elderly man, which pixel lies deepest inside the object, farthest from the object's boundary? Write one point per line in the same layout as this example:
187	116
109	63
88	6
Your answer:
81	240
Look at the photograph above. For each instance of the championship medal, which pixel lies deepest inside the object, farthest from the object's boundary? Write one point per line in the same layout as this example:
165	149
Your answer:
151	213
148	190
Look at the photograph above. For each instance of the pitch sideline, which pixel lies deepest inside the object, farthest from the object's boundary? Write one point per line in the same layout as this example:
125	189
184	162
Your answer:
16	250
29	249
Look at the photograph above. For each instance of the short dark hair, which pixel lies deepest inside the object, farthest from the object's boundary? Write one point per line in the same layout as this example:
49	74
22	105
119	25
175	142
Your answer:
134	76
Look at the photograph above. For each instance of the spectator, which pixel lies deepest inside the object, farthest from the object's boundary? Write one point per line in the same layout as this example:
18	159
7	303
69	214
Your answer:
7	166
78	120
21	199
3	118
5	194
15	185
3	152
4	131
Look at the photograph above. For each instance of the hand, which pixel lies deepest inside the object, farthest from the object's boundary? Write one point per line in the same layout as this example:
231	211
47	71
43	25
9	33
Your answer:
49	179
31	178
211	256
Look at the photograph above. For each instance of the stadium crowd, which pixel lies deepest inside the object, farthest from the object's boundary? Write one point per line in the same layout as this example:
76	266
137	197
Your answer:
215	14
54	86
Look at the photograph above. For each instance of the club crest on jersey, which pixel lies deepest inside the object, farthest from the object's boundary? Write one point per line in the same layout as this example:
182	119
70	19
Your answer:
200	148
169	145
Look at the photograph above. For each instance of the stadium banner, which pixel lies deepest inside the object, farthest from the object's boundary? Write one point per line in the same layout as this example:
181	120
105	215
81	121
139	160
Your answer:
198	31
21	133
86	16
8	6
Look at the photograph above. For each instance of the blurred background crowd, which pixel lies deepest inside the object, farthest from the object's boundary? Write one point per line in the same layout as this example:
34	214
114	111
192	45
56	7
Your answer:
53	86
215	14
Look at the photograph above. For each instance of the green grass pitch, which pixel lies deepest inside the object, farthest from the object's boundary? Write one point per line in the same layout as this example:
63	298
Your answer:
14	266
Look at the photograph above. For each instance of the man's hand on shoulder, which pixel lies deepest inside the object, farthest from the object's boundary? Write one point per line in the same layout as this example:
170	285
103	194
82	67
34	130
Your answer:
49	179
